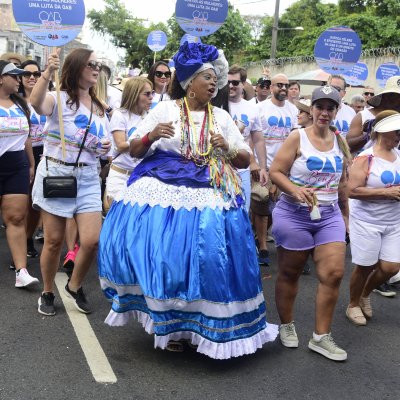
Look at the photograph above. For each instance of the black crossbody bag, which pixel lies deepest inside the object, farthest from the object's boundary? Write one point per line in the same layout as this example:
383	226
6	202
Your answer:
64	186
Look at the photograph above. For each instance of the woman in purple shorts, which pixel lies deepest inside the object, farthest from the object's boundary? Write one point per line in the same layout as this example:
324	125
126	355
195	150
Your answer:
311	218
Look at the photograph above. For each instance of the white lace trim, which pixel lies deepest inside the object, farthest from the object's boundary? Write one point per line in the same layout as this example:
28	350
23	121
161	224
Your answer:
153	192
219	351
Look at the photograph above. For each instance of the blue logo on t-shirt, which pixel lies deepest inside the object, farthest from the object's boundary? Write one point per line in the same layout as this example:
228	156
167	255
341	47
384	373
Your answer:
342	128
131	131
316	164
388	178
275	121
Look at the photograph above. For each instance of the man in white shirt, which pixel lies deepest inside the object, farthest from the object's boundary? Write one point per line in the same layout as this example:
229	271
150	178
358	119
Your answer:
262	90
278	117
247	119
345	114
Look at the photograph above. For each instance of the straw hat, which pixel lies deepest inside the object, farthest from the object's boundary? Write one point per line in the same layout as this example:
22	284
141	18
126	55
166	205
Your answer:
303	105
392	86
122	84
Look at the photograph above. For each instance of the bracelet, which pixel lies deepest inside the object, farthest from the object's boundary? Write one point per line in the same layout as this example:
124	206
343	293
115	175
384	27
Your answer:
146	141
231	153
109	109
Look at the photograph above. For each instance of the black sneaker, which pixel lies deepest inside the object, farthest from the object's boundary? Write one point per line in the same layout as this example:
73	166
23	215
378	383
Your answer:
46	304
12	266
263	257
385	290
31	251
39	235
306	269
80	300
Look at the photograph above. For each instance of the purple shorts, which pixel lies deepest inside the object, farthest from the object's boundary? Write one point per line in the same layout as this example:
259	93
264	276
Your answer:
293	228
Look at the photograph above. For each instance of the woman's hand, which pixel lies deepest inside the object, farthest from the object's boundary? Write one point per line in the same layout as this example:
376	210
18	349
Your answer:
53	63
218	141
105	146
393	193
303	195
162	130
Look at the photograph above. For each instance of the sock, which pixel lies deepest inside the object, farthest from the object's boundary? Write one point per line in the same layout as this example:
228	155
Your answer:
318	338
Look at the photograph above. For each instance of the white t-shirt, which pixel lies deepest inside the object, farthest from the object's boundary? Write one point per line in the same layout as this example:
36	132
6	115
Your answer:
113	97
157	98
14	129
343	119
255	100
122	120
75	122
38	123
276	123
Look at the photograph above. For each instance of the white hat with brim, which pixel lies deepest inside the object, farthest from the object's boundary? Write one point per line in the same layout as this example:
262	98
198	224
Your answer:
392	86
303	105
11	69
122	84
388	124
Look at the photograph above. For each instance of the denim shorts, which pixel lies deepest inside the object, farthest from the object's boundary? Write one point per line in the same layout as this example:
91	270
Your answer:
87	200
293	228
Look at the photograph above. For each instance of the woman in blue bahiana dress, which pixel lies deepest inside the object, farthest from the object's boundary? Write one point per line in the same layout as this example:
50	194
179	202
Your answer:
176	250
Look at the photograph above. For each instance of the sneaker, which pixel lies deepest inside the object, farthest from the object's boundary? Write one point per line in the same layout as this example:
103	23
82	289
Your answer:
31	251
384	290
69	260
39	235
80	300
12	266
46	304
288	335
306	269
23	279
365	305
328	348
356	316
270	239
263	257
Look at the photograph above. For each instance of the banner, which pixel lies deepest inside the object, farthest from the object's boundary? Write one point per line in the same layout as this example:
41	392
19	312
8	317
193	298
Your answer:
385	71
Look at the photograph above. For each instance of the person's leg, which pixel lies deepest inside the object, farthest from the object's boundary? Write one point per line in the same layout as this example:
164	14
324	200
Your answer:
261	228
71	234
54	233
358	279
290	267
13	210
32	220
383	272
329	262
89	225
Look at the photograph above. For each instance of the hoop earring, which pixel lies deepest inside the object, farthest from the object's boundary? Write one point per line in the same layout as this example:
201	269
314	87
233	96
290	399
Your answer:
191	94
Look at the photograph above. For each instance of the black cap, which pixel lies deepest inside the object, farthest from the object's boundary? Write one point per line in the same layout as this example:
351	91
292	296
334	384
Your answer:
264	81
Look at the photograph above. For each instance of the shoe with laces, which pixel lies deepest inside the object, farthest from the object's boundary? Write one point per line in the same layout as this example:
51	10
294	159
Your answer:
23	279
365	305
288	335
31	251
328	348
385	290
46	304
80	302
263	257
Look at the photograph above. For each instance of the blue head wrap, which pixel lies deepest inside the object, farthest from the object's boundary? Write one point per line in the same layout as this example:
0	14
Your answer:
191	57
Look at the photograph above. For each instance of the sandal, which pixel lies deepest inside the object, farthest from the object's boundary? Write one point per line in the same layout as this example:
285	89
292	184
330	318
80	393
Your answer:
356	316
175	346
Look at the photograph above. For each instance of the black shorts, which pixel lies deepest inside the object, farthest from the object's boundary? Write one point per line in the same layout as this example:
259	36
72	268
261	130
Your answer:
14	173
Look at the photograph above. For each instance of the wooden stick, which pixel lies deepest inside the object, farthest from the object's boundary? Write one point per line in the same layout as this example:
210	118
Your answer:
60	115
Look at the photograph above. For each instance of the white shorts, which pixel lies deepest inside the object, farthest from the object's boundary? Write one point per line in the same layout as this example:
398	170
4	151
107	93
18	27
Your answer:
116	182
372	242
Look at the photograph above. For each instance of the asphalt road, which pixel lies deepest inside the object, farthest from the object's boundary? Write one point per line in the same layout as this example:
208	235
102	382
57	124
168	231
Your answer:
41	357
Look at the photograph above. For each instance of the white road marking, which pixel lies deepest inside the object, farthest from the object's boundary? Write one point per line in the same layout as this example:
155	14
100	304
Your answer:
95	356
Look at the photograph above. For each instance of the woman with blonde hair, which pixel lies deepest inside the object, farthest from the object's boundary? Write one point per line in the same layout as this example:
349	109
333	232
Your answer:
374	186
136	101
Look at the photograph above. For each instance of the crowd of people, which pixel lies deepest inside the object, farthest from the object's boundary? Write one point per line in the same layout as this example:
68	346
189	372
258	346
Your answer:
180	179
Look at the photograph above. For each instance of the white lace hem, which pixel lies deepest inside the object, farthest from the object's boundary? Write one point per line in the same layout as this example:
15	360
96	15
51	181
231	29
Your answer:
219	351
151	191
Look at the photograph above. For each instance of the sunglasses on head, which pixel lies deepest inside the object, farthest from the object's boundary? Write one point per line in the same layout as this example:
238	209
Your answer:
94	65
28	74
160	74
281	85
369	94
149	94
234	83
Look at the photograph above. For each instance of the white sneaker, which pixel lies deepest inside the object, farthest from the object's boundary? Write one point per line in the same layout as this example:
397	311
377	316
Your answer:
328	348
288	335
23	279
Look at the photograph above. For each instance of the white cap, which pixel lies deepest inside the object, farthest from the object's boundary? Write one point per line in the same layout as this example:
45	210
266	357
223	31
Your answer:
388	124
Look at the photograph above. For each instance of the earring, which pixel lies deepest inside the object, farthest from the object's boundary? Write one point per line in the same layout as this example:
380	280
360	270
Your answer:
192	94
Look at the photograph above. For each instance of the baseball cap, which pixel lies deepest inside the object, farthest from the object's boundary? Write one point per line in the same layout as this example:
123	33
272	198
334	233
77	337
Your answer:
326	92
11	69
264	81
388	124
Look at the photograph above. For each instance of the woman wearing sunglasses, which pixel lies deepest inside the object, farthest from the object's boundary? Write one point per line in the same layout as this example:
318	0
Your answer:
28	81
83	115
135	103
16	167
160	77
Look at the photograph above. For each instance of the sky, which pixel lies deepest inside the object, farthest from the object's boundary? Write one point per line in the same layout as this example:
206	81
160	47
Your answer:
161	10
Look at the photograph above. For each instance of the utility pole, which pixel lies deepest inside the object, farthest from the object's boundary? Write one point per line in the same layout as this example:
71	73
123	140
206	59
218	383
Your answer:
275	30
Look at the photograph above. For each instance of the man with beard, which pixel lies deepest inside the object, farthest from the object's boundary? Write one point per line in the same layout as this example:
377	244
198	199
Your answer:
278	117
245	114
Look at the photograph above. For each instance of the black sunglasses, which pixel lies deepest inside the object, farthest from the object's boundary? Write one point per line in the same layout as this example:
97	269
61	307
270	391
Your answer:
264	86
369	94
94	65
160	74
149	94
281	85
234	83
28	74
